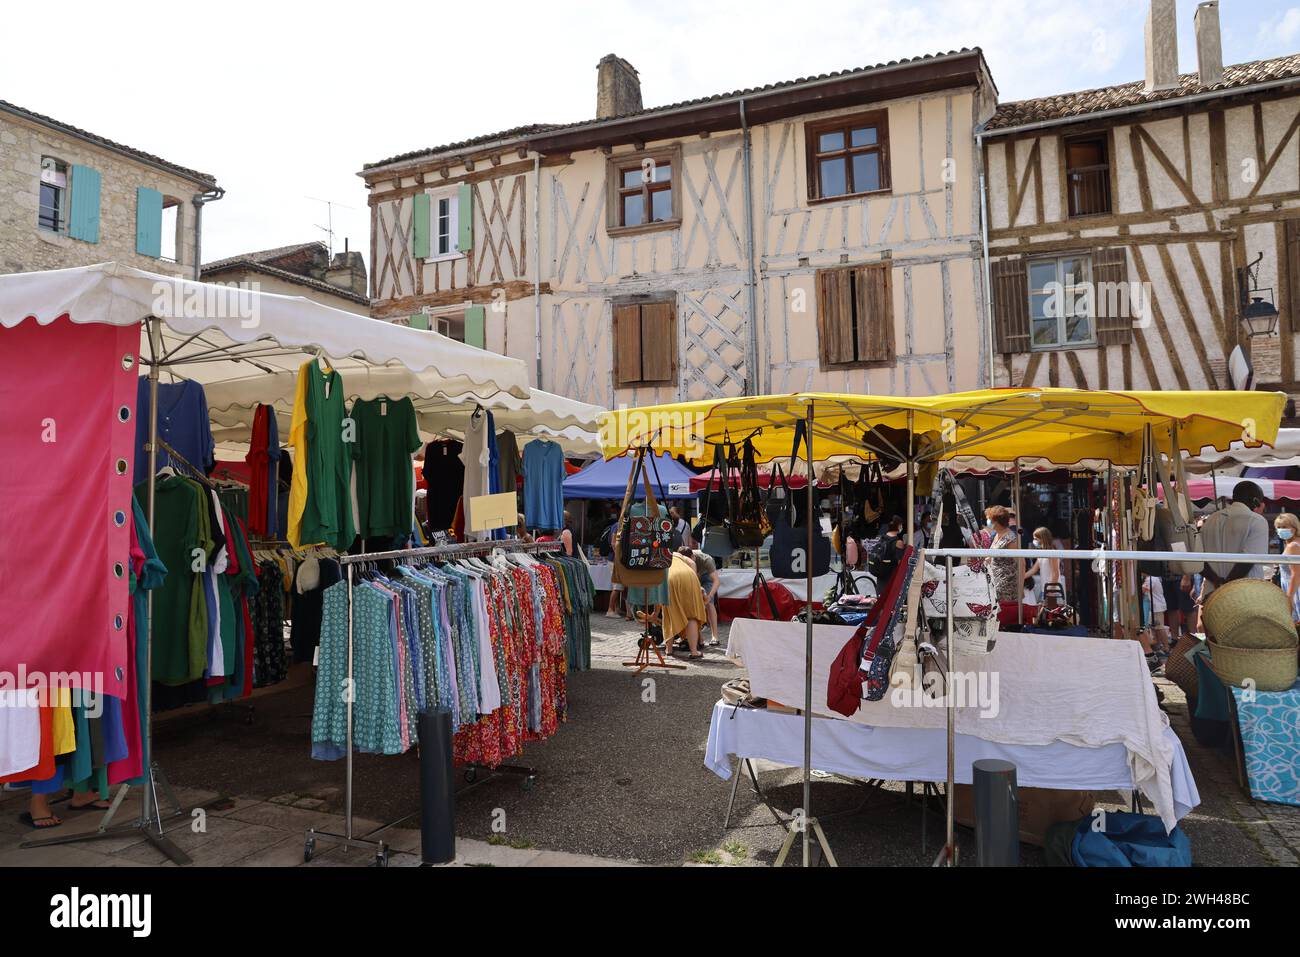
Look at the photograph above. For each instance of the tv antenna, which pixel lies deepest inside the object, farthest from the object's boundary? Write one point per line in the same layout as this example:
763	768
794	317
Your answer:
328	228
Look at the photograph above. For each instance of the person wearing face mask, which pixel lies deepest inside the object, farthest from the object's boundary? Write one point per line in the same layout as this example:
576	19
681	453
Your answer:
1287	527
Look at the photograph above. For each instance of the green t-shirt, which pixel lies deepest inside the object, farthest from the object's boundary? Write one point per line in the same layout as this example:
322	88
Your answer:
387	436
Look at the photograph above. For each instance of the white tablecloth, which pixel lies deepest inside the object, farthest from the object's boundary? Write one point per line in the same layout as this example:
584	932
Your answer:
1031	690
921	754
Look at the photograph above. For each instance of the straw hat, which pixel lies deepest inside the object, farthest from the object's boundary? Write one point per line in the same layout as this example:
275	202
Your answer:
1268	669
1250	613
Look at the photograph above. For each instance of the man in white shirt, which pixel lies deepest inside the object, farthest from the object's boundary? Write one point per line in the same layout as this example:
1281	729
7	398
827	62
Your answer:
1239	529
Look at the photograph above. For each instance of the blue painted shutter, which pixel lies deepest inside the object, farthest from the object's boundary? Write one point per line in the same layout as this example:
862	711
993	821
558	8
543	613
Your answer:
83	219
465	218
148	222
420	226
476	326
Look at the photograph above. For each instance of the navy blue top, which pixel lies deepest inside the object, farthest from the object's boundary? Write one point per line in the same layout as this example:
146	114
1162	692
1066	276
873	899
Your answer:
182	424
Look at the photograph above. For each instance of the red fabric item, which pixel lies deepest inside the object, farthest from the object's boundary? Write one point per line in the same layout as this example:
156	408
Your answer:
844	686
786	605
68	436
45	768
1007	614
258	459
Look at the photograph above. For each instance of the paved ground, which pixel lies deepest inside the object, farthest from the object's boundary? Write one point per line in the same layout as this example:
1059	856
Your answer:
623	781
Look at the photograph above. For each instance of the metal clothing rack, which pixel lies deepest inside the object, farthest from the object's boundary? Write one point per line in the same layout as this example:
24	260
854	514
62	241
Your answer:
348	838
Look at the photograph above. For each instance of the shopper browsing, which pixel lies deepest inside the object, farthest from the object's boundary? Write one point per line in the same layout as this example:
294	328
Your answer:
1238	529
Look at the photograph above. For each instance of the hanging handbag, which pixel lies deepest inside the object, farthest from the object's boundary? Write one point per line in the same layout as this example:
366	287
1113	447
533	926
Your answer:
713	537
749	526
1152	519
1180	532
790	556
878	652
771	601
848	674
641	546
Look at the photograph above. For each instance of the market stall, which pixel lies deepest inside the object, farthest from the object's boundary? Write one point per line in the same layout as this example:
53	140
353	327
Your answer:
239	360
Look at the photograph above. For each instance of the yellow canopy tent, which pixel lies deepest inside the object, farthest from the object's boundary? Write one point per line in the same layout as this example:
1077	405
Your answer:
1001	425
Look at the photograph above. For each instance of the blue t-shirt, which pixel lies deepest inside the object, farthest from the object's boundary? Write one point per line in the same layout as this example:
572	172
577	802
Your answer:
182	424
543	485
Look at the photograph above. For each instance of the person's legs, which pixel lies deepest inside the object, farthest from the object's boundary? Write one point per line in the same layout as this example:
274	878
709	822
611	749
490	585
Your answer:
711	609
692	635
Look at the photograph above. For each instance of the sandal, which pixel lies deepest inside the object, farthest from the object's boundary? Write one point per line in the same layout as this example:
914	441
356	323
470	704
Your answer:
696	656
36	824
98	805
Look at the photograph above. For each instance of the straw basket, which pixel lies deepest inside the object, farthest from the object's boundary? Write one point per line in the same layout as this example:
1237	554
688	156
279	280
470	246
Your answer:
1269	669
1250	613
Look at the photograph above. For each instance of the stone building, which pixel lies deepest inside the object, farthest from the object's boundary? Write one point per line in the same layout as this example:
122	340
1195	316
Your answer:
302	269
1140	235
820	233
72	198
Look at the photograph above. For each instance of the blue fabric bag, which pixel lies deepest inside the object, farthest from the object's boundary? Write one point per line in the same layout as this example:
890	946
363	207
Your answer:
1129	840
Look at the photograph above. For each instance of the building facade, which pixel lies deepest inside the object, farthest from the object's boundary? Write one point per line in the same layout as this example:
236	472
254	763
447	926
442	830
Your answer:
1133	228
72	198
301	269
817	234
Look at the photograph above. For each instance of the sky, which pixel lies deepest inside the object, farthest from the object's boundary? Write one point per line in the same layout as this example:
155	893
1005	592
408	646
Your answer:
284	102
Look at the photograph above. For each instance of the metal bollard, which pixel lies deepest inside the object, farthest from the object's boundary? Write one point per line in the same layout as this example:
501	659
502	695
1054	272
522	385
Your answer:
437	789
997	814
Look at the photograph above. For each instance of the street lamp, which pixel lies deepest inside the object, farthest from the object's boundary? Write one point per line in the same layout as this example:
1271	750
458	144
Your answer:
1258	312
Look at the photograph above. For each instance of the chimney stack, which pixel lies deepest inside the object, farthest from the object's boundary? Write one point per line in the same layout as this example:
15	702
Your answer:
1162	46
618	90
1209	44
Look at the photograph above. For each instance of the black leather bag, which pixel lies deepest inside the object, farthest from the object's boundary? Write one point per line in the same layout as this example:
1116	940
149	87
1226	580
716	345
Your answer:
790	557
749	525
711	535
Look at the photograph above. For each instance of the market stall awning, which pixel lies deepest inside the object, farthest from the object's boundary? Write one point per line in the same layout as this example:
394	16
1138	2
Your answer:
1001	425
607	479
1275	490
231	337
1284	451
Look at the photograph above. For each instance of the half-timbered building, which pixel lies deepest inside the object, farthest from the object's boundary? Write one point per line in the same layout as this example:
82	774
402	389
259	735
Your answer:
1139	234
822	233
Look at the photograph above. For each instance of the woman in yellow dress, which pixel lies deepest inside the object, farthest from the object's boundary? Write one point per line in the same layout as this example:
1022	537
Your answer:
684	612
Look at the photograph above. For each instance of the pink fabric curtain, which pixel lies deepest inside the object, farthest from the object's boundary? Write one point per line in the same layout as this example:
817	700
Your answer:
67	426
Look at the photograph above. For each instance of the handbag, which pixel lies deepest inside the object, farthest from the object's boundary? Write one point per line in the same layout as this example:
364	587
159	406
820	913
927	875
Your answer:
749	525
776	604
1181	531
1149	525
869	495
641	546
879	650
847	675
714	539
790	557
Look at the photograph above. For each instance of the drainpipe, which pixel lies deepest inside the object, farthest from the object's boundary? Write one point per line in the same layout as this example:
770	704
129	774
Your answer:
200	200
984	242
754	383
537	262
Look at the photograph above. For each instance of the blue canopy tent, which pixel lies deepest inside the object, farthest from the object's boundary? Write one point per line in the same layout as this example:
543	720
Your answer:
608	479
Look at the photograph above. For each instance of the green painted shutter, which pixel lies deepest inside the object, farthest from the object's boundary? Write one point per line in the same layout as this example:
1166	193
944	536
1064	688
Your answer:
465	218
420	321
420	226
83	219
476	326
148	222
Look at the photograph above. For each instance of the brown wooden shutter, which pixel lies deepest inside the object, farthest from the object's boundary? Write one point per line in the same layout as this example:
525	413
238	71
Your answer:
1291	258
658	342
1112	304
627	344
874	291
835	315
1011	305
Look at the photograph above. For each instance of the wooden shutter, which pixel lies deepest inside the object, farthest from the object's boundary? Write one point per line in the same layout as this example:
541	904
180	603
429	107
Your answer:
874	292
658	342
465	218
835	316
627	345
1112	304
476	326
421	226
1291	260
420	321
83	218
1011	305
148	222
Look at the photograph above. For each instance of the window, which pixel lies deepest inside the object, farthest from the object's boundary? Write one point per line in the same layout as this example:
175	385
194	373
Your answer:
855	316
444	226
643	194
54	192
645	343
436	223
1061	302
848	156
1087	174
171	223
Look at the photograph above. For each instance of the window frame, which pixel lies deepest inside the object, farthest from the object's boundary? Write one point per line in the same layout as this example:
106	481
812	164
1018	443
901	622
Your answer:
617	165
178	246
1063	341
1106	137
640	302
450	195
814	130
856	298
62	195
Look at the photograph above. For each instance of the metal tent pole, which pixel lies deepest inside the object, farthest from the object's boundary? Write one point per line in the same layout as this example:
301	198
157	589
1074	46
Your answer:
950	848
911	480
1020	562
